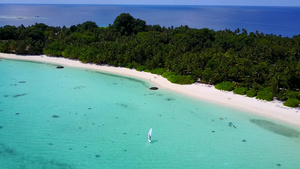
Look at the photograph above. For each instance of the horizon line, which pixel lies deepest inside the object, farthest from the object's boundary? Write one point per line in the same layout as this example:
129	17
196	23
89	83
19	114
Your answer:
213	5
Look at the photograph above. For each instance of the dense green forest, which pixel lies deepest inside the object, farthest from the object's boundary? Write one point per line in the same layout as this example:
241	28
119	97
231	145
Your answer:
250	63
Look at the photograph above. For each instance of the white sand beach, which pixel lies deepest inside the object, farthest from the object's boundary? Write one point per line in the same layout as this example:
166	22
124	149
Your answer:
274	110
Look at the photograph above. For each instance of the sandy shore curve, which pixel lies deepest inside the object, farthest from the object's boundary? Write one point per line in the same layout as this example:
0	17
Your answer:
274	110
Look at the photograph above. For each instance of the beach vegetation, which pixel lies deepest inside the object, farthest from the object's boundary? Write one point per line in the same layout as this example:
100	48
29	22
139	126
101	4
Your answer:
265	93
293	94
129	65
251	93
183	55
72	53
227	86
287	94
292	102
158	71
240	90
168	74
179	79
147	70
89	55
141	68
281	95
55	48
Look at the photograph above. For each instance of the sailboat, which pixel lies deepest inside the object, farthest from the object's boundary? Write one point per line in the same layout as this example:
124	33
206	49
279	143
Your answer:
149	135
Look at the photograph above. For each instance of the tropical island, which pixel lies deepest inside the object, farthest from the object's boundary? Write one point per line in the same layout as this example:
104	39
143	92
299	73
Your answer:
251	64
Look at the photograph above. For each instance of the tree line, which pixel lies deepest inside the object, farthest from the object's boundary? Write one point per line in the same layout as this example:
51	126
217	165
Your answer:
252	62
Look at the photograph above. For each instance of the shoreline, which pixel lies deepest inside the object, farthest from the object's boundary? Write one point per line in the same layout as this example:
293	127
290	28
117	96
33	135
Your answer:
273	110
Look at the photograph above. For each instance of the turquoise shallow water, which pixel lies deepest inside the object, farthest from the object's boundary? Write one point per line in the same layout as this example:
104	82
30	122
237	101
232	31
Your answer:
75	119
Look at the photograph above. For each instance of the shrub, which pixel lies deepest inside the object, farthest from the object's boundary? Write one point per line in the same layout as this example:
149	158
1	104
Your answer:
281	95
227	86
240	90
141	68
158	71
292	102
167	74
265	94
178	79
129	65
292	95
251	93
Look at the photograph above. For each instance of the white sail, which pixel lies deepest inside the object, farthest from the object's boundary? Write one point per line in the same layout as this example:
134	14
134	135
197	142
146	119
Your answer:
149	135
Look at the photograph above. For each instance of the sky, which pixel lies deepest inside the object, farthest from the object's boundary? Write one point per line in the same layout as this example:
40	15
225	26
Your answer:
165	2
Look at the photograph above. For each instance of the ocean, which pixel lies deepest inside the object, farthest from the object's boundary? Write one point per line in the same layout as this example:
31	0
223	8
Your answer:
74	118
282	21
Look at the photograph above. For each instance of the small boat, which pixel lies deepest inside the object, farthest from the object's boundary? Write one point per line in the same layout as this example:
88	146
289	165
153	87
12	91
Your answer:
149	135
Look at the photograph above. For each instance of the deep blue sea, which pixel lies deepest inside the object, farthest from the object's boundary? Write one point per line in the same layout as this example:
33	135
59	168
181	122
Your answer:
268	20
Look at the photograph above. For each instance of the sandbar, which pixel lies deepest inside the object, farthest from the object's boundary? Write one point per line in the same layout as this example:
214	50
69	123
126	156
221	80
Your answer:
272	110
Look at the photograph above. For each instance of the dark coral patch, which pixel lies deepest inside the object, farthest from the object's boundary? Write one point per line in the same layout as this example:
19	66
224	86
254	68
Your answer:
97	155
170	99
19	95
78	87
59	67
55	116
8	150
122	104
153	88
